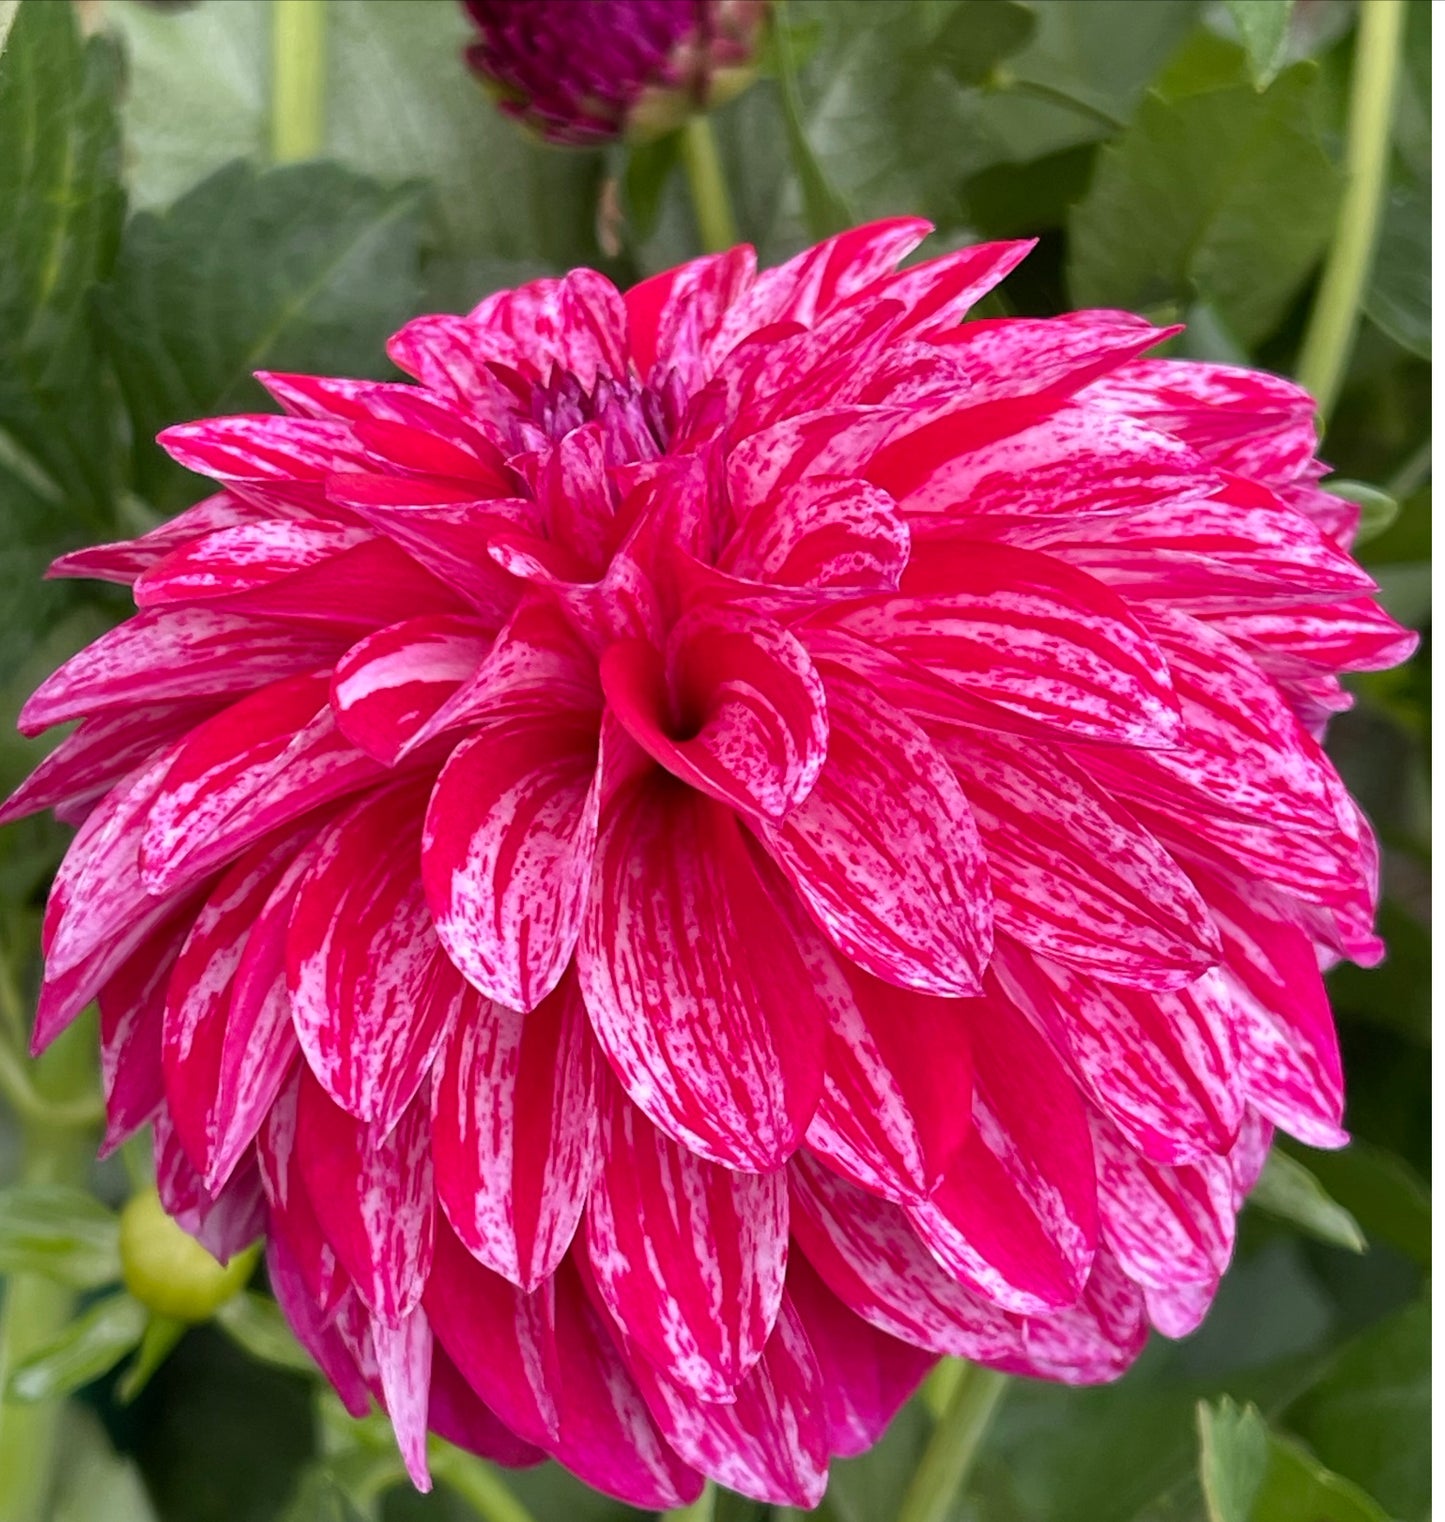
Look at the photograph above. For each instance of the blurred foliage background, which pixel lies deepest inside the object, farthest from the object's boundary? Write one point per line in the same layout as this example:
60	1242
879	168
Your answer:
1181	158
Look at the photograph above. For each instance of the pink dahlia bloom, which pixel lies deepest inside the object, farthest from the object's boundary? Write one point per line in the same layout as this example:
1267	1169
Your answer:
585	73
729	840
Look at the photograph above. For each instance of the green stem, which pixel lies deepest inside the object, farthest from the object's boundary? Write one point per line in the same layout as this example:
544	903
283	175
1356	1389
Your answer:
1331	332
298	78
36	1308
945	1463
477	1483
701	1510
705	179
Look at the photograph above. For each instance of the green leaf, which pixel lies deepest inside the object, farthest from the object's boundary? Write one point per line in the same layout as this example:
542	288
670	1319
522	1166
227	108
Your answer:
1378	509
1382	1193
89	1346
400	104
1368	1419
1298	1488
95	1481
649	167
305	267
60	212
1288	1189
161	1335
1398	299
824	210
1215	193
321	1498
1233	1457
979	35
60	1232
1264	29
256	1324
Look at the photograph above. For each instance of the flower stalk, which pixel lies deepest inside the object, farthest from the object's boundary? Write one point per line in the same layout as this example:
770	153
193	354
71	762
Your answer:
716	224
37	1308
701	1510
1331	332
949	1456
298	79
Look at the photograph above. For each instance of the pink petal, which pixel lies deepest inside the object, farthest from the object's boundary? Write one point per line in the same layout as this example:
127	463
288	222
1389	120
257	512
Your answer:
388	685
1076	460
190	655
132	1013
834	441
1289	1049
1241	546
515	1131
265	459
670	315
258	1047
1165	1225
404	1367
360	948
1096	1340
98	753
1022	633
867	1375
372	1195
501	1339
1247	421
1016	1219
1023	356
240	558
315	1334
1164	1066
457	1415
688	1257
938	292
825	533
507	851
1074	877
720	1050
255	767
895	1105
734	707
609	1438
291	1216
771	1441
1178	1310
123	561
883	851
868	1255
199	997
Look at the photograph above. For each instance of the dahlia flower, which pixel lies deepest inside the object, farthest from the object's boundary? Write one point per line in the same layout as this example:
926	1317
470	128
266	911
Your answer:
728	840
590	73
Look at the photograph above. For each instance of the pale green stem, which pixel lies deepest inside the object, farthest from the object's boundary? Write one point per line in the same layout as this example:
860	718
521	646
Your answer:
298	78
715	223
941	1472
1331	332
477	1483
36	1308
701	1510
1412	475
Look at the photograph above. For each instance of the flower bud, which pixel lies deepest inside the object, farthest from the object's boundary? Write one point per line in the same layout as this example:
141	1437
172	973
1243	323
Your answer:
170	1272
608	69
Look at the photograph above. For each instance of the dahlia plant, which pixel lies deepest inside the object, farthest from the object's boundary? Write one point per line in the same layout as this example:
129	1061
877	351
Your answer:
723	841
